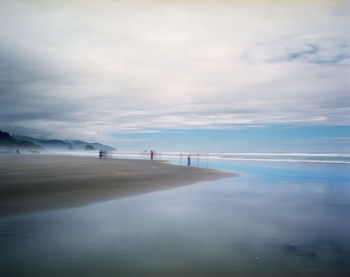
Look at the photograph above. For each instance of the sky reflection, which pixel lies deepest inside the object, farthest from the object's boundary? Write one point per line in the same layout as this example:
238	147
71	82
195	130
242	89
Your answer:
277	220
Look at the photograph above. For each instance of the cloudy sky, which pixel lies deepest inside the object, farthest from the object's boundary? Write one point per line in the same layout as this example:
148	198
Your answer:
173	74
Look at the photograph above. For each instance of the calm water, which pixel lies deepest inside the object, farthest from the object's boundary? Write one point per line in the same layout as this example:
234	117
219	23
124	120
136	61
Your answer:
277	219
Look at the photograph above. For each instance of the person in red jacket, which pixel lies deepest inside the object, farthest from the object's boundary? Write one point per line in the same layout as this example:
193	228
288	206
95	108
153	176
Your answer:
152	153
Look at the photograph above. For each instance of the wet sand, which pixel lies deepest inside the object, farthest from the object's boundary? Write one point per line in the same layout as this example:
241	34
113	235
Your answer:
35	183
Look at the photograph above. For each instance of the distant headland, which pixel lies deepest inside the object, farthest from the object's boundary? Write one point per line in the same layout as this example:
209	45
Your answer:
19	142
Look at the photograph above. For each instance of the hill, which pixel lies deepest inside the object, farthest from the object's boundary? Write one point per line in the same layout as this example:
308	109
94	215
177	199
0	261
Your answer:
64	144
9	142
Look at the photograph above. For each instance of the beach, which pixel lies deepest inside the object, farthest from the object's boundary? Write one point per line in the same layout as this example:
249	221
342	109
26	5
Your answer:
36	182
276	219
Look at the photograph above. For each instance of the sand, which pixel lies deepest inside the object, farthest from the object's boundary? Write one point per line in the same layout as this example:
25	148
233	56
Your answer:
34	183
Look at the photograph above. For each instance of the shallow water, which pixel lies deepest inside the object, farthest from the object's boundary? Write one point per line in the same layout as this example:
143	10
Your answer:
277	219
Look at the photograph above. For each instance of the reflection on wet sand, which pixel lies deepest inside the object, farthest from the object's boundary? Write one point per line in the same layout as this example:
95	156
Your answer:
275	220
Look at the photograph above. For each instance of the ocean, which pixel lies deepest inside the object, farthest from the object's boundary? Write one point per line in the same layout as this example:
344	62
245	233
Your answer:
279	218
332	158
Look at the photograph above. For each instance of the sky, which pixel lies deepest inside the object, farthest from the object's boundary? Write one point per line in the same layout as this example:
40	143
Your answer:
195	75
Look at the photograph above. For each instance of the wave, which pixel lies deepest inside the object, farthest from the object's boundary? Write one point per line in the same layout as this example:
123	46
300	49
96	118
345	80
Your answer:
271	154
326	158
321	158
284	160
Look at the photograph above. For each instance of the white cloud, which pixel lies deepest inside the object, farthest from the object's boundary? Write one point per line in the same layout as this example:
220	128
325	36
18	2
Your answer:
100	67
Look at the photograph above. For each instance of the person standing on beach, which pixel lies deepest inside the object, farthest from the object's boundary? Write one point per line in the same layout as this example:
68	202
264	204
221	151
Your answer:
189	160
152	153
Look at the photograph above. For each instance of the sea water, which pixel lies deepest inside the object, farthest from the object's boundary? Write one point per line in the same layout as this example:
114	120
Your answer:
276	219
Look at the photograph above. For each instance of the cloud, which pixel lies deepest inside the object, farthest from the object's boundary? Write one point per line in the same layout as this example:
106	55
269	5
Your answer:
96	68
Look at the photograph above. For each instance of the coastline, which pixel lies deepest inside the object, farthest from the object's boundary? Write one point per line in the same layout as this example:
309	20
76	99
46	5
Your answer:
31	183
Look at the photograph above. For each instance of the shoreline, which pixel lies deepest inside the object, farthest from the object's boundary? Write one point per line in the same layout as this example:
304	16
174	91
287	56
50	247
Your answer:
30	183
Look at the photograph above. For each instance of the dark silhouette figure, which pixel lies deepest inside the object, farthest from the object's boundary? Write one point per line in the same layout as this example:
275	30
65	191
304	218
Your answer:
188	160
152	154
102	154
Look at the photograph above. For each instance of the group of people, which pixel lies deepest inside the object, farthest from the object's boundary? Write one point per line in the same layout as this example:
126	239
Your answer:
152	153
102	154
